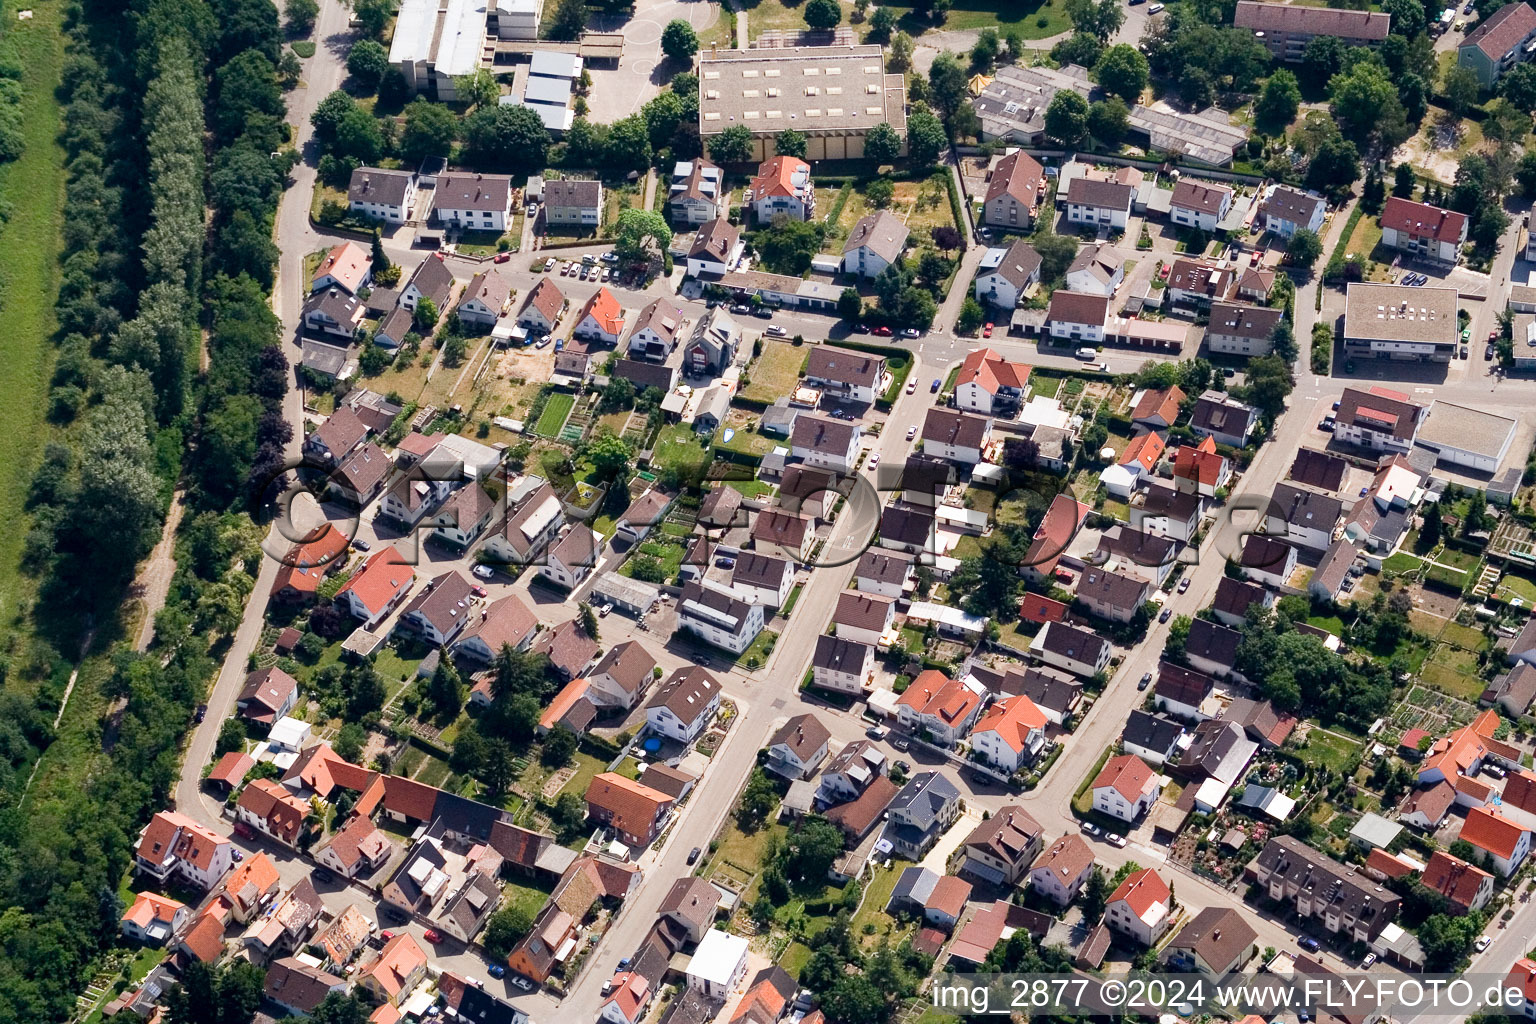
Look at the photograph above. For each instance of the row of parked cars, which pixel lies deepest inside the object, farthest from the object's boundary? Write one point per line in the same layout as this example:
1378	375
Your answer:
587	268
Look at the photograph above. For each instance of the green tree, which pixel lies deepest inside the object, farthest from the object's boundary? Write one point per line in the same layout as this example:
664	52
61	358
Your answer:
915	307
1278	102
340	1008
985	52
678	40
430	129
559	747
1100	18
850	305
358	137
1066	119
823	14
214	994
1364	100
881	144
231	737
1123	71
901	48
854	999
1461	89
788	246
948	84
1056	254
790	143
570	812
1407	17
811	848
881	23
880	192
478	89
568	21
373	15
1518	85
758	801
970	317
1403	180
300	15
1322	58
732	146
925	138
504	930
1109	121
1095	895
510	137
1304	247
1334	167
609	455
425	315
445	690
635	228
349	742
1080	48
629	144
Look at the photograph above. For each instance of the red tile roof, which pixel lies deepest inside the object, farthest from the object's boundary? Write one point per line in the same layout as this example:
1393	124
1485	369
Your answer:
380	579
1144	450
1381	860
1454	878
306	563
631	807
1142	890
933	693
231	768
1490	831
1018	175
948	896
1034	608
1201	464
605	309
1060	524
1423	221
991	371
776	177
1127	774
205	939
1013	720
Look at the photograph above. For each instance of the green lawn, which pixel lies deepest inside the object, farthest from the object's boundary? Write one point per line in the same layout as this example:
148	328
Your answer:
1512	586
33	188
668	552
1400	563
1332	623
1454	671
747	442
526	893
556	409
677	445
773	374
877	893
751	488
1032	19
1330	749
757	652
1044	387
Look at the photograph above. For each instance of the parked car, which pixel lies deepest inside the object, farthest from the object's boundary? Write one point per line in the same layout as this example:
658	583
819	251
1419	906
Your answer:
911	386
1482	943
609	257
1115	839
549	264
911	332
1488	352
774	331
902	765
934	387
986	330
522	983
1090	829
602	612
244	831
1146	681
911	432
725	562
1155	9
741	309
201	713
322	875
1164	614
1309	944
874	459
1370	958
485	572
360	544
860	328
693	855
496	970
502	257
763	312
432	935
1183	584
386	935
1464	352
624	963
874	732
478	590
239	855
881	332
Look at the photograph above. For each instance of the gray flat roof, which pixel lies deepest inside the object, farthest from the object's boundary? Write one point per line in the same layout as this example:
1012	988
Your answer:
1466	429
1391	312
807	88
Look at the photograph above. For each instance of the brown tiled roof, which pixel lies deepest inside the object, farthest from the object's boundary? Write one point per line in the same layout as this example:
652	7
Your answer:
1162	402
631	807
856	816
1503	31
546	298
1318	469
1218	935
629	664
1204	196
686	692
1018	175
1066	858
1078	308
883	232
1380	409
862	611
568	648
1422	220
944	426
1109	195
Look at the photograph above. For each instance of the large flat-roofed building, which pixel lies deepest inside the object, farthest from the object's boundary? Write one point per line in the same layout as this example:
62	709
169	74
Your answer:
832	94
1389	321
1286	30
1465	437
436	41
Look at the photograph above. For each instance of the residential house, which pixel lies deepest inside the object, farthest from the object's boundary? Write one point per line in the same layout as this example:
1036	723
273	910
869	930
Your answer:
713	345
1424	231
1156	408
797	749
1233	599
1302	516
1077	316
1255	284
633	811
849	774
1522	978
1241	330
359	848
1468	888
1504	843
440	611
684	704
875	242
826	443
783	533
1379	419
532	521
956	436
337	437
1005	275
718	965
1097	269
1285	210
400	966
568	647
843	665
926	806
864	618
1267	560
460	520
762	579
1126	788
382	582
1217	415
1116	596
1061	871
601	319
1426	807
843	373
1261	722
926	479
1215	942
1199	204
1199	282
1055	693
1014	192
1011	734
769	998
1166	512
1212	648
346	266
715	250
654	334
622	676
305	565
1141	554
697	192
486	299
883	573
432	280
644	514
577	204
1181	692
1000	849
990	385
1513	691
571	560
1286	31
269	694
1499	43
1071	649
782	186
299	987
1200	469
691	904
541	309
505	622
629	997
336	315
1097	203
718	616
1153	738
944	708
380	194
272	810
1141	907
361	475
153	919
1342	899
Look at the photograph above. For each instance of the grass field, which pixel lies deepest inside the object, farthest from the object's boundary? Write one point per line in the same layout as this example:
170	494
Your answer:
774	373
1454	671
34	188
1400	563
556	409
677	445
1032	19
1330	749
920	204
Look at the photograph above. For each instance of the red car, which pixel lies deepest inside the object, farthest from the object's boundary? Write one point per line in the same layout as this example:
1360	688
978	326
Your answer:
244	831
478	590
386	935
882	332
502	257
1253	260
432	935
986	332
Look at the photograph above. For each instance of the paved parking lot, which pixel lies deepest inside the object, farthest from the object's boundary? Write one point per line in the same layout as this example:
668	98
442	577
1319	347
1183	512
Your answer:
643	71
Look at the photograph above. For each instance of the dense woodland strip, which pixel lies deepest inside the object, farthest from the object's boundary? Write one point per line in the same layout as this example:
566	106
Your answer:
144	274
